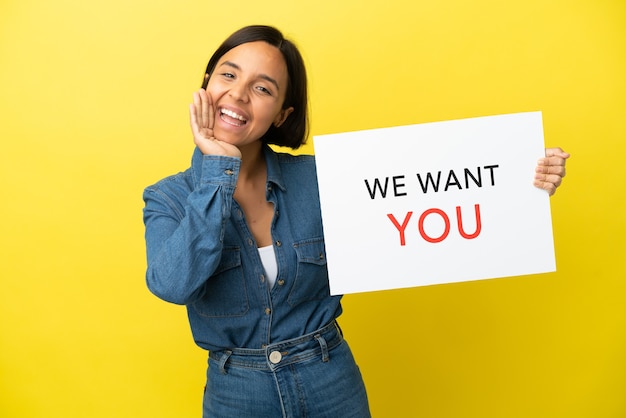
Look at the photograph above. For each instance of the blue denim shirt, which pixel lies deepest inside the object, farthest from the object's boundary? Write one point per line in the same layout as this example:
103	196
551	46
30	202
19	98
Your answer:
202	254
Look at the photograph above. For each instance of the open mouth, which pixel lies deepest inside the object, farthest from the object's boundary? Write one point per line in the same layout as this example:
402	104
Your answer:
232	118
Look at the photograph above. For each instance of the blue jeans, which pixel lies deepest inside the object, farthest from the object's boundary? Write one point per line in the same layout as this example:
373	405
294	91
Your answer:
311	376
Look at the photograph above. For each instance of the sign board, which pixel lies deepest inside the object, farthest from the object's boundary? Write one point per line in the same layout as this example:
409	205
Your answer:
434	203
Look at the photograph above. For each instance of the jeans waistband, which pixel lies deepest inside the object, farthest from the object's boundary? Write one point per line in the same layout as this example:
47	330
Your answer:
280	354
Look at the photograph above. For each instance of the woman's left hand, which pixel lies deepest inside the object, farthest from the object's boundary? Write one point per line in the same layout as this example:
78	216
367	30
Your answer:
551	170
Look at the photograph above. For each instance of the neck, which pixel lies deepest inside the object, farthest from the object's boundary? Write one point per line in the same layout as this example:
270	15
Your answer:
252	161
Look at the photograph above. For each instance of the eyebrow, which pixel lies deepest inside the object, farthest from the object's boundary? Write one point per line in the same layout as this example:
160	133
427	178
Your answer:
263	76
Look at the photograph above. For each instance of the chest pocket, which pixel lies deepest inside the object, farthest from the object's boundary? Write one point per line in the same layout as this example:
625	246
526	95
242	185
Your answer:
225	291
311	281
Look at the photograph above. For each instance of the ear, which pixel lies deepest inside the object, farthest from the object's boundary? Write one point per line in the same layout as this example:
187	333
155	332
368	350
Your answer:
205	81
282	116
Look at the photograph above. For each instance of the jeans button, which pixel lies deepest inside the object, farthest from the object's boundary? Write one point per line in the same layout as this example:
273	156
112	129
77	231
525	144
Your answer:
275	357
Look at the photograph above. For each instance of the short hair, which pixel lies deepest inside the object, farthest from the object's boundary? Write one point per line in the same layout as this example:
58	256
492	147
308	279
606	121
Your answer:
294	131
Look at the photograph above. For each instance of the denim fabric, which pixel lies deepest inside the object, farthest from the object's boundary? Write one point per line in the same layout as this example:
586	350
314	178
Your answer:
201	253
313	376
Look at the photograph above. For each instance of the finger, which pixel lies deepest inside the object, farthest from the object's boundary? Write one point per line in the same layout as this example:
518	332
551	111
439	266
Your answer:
548	182
193	119
197	104
557	152
545	185
551	169
196	131
211	110
548	186
207	108
203	108
554	179
554	161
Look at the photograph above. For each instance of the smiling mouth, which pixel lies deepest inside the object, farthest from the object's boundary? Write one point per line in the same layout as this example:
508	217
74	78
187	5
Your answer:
232	118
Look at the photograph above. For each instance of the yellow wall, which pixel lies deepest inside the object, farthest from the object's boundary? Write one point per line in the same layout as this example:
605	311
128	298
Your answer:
93	107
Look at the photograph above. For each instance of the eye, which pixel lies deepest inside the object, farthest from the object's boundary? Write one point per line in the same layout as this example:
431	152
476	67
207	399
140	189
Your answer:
264	90
228	75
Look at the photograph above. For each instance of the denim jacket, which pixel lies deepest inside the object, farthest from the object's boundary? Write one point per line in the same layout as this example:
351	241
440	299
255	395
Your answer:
202	254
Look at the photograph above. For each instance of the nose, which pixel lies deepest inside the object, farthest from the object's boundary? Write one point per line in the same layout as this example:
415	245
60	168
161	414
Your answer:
239	92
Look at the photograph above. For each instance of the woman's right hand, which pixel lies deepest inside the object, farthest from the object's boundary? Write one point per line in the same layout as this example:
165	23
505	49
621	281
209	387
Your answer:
202	120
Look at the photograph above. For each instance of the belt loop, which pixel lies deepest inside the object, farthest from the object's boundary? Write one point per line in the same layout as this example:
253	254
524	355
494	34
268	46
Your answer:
322	342
225	356
338	328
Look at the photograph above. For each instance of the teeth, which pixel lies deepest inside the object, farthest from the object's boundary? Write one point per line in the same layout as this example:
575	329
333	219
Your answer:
233	115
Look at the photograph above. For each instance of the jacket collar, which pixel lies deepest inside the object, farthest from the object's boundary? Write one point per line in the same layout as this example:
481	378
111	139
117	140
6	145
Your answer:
274	174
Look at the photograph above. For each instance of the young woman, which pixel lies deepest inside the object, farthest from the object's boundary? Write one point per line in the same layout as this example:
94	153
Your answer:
237	238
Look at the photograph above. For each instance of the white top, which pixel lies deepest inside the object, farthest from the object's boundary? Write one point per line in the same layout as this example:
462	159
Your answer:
268	258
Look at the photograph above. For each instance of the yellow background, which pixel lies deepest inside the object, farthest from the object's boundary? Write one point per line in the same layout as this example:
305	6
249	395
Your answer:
93	107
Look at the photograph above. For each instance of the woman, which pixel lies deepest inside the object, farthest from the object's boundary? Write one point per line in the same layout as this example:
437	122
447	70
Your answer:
237	238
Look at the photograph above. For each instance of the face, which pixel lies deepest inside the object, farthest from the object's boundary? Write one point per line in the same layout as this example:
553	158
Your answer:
247	88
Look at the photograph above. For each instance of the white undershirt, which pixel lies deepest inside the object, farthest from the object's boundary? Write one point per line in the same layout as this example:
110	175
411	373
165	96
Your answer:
268	258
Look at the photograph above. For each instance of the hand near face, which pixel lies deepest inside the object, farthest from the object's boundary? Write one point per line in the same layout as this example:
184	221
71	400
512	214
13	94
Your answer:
550	170
202	120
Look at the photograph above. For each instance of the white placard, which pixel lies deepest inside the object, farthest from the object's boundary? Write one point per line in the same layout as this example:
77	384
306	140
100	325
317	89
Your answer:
434	203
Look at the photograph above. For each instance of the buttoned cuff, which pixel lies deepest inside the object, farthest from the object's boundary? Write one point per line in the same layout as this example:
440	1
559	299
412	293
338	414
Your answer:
219	170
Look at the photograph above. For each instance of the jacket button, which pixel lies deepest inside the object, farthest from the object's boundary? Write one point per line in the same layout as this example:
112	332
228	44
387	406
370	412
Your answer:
268	311
275	357
280	282
278	243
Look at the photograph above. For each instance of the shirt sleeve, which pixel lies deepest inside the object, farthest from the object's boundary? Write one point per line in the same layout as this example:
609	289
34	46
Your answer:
184	230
